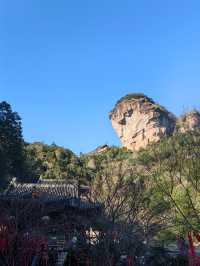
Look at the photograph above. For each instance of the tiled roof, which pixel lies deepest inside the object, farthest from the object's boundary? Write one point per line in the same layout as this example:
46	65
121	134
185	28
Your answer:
60	191
51	191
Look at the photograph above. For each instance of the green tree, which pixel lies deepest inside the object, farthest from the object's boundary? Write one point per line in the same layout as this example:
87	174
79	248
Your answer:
174	168
11	143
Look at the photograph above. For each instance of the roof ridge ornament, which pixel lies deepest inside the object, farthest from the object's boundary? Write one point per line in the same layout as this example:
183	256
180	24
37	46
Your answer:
40	180
13	181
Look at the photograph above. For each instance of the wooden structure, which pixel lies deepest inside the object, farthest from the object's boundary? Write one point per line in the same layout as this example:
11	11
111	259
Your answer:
54	210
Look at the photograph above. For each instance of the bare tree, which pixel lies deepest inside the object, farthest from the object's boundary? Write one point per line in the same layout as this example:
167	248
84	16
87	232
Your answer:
175	169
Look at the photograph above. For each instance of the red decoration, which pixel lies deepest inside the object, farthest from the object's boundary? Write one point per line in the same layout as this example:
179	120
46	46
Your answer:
193	259
197	236
191	246
3	244
130	261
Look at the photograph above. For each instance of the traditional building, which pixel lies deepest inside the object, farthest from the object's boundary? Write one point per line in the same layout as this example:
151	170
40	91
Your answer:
58	211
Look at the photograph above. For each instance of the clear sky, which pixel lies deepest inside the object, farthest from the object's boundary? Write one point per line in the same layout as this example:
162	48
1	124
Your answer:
64	63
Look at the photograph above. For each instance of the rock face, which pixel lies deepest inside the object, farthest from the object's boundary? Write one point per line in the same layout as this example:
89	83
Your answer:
189	121
138	121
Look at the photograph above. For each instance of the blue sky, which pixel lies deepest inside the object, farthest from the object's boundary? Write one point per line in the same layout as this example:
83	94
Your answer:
64	64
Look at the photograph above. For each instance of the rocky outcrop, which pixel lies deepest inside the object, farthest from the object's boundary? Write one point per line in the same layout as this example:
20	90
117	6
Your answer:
138	121
189	121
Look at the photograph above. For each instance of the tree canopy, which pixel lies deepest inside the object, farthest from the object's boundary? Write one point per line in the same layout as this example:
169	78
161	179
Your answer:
11	143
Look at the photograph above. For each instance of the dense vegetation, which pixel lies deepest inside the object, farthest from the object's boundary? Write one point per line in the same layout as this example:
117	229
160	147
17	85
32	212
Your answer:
11	143
156	190
50	161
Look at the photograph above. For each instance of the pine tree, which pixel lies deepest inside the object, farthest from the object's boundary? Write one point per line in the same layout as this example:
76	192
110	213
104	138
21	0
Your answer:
11	143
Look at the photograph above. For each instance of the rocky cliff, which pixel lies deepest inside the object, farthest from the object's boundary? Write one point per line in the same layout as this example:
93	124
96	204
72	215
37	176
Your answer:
189	121
138	121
